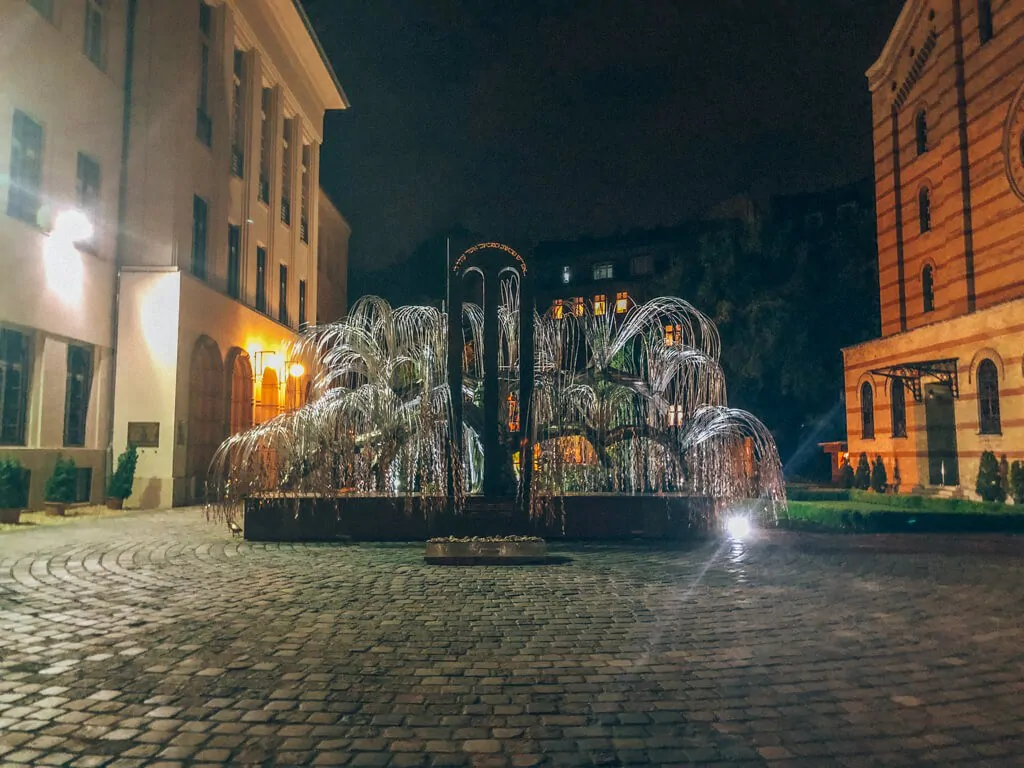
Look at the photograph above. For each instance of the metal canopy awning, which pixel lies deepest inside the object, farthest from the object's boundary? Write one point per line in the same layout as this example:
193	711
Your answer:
944	371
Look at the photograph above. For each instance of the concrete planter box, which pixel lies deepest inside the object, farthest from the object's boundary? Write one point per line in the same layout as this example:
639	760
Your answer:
484	552
368	518
10	516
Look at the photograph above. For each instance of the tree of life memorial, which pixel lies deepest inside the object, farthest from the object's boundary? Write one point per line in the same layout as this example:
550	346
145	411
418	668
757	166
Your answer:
487	397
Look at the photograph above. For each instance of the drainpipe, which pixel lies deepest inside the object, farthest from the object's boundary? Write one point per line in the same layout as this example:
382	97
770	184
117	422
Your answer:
122	206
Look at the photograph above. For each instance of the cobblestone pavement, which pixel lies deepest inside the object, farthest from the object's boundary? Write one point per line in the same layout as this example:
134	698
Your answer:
159	640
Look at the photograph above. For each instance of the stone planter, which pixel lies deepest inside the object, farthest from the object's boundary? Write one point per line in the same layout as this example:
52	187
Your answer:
113	503
10	516
510	551
55	508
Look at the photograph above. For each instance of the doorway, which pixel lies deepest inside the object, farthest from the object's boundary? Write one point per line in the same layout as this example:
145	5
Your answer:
940	424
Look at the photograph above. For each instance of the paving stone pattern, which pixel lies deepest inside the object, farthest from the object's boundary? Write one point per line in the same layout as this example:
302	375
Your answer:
159	640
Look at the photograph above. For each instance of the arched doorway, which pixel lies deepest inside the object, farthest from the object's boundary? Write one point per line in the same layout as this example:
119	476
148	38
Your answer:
270	396
205	415
240	390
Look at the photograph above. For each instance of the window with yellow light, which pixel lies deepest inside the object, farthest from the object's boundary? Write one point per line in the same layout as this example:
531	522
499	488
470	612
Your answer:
600	304
621	302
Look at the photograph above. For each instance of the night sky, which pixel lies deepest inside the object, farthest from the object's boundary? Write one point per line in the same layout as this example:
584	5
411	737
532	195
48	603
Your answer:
531	120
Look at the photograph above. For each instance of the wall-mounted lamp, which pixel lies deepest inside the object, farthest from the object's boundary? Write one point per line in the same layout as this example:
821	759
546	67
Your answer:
266	359
296	369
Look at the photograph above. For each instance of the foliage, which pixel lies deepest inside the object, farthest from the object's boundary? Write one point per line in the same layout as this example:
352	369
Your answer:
62	486
846	476
121	482
12	484
988	486
855	499
879	478
1017	482
862	478
1004	476
785	298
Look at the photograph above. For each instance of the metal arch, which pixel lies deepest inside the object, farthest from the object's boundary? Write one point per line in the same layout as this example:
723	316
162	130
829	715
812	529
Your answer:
945	371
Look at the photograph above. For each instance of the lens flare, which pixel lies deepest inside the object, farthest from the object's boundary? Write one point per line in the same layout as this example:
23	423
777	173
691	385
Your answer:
738	526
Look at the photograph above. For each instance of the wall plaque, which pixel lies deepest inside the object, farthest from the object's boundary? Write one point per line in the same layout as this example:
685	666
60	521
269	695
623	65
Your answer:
144	434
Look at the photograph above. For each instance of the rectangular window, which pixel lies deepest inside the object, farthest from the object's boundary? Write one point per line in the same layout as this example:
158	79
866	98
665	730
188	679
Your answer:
558	310
286	172
45	8
282	295
675	415
604	271
566	274
93	47
14	368
578	307
261	279
199	210
76	397
986	28
641	265
234	260
673	335
621	302
304	192
204	125
600	304
265	124
302	303
87	187
238	116
26	168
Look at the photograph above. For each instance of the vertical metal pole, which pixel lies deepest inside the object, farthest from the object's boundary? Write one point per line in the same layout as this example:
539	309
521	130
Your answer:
492	446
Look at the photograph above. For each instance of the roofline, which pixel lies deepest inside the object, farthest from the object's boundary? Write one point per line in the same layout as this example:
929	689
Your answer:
323	54
912	10
337	210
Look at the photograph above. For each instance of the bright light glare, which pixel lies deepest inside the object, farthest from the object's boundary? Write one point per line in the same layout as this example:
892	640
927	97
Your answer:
297	370
73	225
738	526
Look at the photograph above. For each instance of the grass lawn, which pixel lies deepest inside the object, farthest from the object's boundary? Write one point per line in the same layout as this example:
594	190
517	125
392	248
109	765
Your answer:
31	520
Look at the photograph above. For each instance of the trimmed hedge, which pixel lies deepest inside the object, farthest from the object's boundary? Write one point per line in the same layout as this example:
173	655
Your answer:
872	518
893	501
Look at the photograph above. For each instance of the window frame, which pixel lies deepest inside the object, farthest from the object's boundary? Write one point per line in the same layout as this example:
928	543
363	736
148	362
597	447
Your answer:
302	304
989	419
928	288
96	12
305	161
566	274
46	11
282	294
77	392
867	411
579	307
234	261
24	196
641	265
17	400
924	209
200	237
898	408
600	304
204	122
621	302
261	279
287	143
921	131
238	92
986	21
605	270
266	140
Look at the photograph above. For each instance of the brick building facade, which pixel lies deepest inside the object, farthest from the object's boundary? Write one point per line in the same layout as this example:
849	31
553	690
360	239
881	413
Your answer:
945	382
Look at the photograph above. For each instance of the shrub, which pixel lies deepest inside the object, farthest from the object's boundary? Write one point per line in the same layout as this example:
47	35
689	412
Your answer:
862	478
1004	476
1017	482
121	482
846	477
12	484
879	478
988	485
62	486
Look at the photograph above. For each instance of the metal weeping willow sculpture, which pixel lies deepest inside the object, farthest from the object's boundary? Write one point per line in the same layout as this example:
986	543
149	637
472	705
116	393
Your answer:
596	400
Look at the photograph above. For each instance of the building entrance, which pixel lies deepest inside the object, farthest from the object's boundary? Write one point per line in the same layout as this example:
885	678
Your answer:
940	422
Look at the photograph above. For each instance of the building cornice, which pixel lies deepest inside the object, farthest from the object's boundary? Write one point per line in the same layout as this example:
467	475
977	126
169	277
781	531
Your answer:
907	22
340	92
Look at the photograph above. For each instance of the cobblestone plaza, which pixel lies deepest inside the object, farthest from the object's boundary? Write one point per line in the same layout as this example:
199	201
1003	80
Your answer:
158	639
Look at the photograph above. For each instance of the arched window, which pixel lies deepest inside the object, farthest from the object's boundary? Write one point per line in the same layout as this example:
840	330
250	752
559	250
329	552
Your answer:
867	411
988	398
240	405
899	409
924	210
928	287
986	27
921	131
269	397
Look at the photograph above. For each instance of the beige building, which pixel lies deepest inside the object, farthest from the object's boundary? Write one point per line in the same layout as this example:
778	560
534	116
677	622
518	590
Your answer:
216	268
945	382
61	107
332	263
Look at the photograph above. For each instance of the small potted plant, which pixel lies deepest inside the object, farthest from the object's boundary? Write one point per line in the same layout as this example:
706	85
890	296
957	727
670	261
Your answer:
61	487
12	491
120	486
